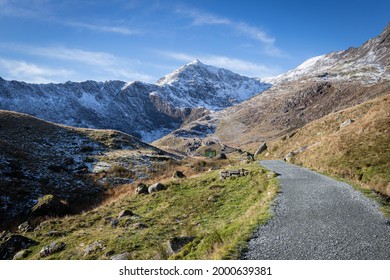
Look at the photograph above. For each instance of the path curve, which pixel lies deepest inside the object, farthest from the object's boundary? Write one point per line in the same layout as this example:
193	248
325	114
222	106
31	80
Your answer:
316	217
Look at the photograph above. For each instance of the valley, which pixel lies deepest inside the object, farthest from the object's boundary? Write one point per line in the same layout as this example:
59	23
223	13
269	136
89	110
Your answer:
117	170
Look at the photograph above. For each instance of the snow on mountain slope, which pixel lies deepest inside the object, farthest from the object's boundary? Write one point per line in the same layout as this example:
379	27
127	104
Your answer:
368	63
147	111
198	85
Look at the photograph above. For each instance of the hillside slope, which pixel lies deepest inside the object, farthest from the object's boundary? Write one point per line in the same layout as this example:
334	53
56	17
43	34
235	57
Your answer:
75	165
352	143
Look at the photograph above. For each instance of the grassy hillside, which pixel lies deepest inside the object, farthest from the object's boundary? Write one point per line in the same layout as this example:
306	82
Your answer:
353	144
219	215
75	165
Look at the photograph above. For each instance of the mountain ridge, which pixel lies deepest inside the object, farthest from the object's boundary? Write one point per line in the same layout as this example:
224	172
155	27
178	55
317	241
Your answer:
368	63
147	111
296	98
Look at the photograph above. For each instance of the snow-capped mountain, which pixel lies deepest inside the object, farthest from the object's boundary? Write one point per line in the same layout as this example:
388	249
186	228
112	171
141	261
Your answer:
368	63
147	111
320	86
199	85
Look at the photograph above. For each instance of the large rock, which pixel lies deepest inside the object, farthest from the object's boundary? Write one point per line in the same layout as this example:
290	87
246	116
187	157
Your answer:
222	156
178	175
51	249
346	123
141	189
261	149
156	187
94	247
22	254
289	157
176	243
13	244
125	213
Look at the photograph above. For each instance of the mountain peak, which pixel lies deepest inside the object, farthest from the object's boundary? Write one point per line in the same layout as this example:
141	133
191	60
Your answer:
196	62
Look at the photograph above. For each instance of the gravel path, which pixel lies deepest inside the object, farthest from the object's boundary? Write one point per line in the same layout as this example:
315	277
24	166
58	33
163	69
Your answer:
316	217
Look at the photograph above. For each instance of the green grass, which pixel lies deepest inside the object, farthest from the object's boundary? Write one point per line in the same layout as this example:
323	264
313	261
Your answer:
220	215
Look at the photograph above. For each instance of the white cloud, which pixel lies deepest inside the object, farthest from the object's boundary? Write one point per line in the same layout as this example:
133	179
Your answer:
101	28
84	64
71	54
240	66
202	18
103	63
30	72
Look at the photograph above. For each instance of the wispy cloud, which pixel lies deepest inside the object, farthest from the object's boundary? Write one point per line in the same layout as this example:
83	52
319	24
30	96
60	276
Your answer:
256	33
97	65
101	28
40	10
240	66
30	72
202	18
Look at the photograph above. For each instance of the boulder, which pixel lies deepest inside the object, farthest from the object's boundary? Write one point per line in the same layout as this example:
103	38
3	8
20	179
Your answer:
175	244
13	244
51	249
250	157
261	149
156	187
22	254
125	213
222	156
178	175
94	247
346	123
289	157
141	189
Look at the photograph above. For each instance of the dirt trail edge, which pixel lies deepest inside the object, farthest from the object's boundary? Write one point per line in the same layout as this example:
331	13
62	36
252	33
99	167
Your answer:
316	217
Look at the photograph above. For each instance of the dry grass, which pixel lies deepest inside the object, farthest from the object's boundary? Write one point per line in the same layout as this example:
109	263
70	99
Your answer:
359	152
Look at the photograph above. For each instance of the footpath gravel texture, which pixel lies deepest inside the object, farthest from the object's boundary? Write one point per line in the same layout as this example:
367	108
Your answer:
317	217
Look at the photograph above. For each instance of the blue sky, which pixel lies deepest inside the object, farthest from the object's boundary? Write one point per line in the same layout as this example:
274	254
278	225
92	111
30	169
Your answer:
55	41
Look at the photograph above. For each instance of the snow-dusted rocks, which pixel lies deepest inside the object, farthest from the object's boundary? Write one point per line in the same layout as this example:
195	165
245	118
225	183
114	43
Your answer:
366	64
148	111
198	85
